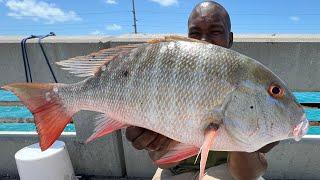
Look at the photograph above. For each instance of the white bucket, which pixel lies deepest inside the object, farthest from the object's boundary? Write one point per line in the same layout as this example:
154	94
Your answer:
51	164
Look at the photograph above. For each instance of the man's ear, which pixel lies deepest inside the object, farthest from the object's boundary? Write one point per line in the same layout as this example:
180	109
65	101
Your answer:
230	39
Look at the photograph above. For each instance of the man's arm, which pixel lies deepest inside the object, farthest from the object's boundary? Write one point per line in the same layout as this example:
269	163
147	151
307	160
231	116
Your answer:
241	165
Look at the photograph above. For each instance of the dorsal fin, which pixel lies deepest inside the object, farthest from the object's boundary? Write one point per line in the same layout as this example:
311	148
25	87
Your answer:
85	66
175	38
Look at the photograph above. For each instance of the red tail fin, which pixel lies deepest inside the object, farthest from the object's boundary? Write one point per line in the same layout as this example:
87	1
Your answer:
43	101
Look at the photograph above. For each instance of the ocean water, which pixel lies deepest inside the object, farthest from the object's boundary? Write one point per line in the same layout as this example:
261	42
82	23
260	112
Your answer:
29	127
23	112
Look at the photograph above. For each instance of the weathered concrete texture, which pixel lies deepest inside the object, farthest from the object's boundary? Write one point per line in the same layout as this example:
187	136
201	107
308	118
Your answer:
103	156
138	163
17	120
10	144
297	63
87	159
11	63
295	160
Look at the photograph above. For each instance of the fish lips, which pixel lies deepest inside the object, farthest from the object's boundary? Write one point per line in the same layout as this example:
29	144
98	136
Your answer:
301	129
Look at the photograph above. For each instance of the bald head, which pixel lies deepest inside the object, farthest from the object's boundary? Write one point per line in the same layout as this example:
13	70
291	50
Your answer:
210	19
209	8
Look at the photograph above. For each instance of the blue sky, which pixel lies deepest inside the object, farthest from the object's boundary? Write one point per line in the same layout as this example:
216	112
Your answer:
114	17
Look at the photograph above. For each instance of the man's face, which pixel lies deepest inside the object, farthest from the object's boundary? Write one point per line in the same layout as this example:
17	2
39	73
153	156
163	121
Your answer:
211	27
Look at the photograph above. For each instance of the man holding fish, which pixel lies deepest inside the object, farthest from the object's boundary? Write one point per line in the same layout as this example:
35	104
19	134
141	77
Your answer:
200	96
210	22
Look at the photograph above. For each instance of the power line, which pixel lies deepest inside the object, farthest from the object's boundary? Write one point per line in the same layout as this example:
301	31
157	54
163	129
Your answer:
71	24
150	22
134	17
57	27
176	25
150	12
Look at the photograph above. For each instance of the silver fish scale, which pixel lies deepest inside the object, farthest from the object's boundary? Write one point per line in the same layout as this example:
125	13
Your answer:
171	88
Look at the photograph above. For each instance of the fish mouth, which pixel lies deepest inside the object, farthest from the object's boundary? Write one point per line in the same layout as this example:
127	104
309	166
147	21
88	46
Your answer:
301	129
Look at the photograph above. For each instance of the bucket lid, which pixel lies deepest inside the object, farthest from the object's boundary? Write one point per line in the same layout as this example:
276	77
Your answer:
33	152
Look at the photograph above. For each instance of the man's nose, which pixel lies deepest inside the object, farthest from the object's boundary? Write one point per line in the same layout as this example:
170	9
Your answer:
208	38
204	38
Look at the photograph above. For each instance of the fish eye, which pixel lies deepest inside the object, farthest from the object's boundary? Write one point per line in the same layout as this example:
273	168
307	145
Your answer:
276	91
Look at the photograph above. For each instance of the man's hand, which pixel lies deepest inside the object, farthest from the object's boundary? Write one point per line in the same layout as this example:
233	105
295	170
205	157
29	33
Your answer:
247	166
156	144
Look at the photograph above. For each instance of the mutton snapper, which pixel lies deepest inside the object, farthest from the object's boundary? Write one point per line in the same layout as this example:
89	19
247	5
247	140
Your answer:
204	96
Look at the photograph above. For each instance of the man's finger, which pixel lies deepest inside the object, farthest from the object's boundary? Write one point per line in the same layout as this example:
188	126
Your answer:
144	139
157	143
133	132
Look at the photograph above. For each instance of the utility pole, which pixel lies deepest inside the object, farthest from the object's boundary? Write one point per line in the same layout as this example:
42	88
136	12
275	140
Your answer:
134	18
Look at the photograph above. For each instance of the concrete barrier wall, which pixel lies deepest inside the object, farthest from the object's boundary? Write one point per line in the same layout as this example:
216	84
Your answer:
295	160
294	58
297	63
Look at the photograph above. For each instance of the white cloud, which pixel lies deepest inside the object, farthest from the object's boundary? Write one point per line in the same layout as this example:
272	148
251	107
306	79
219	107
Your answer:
294	18
111	2
166	2
96	32
113	27
39	10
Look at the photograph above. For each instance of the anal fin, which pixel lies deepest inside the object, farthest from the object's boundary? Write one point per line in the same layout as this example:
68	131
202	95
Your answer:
105	126
178	153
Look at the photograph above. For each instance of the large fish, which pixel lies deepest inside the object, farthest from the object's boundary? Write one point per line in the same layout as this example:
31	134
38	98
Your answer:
204	96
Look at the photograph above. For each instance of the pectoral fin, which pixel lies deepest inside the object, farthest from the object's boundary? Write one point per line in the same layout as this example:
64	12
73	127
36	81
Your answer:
209	137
